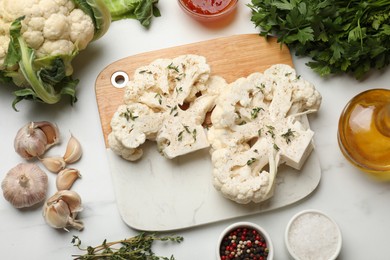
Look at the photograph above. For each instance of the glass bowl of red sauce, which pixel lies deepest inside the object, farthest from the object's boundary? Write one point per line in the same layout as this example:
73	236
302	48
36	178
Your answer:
208	10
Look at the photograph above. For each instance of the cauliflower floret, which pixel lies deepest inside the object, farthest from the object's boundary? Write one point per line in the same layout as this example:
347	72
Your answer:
46	22
182	131
260	121
165	88
244	180
65	6
125	152
57	47
81	29
4	41
182	77
33	31
10	10
56	27
134	123
48	7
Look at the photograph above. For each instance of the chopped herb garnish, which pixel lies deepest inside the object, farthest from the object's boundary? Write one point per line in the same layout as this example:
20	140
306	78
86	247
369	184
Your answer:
180	136
255	111
271	131
179	89
128	115
173	109
288	135
180	77
261	87
276	147
194	134
159	98
250	161
145	71
186	130
172	67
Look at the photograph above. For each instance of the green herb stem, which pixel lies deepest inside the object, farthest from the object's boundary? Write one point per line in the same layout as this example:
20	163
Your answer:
137	247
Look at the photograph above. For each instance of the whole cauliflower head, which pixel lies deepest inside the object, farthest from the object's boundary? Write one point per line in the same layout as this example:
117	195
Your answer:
258	123
166	101
50	27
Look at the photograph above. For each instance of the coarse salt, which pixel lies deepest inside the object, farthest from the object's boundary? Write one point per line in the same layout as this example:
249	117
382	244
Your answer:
311	235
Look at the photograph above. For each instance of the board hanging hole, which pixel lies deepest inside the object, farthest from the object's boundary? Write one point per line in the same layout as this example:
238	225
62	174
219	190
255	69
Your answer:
119	79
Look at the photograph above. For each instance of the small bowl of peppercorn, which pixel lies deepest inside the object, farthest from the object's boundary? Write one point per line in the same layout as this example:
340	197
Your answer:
244	240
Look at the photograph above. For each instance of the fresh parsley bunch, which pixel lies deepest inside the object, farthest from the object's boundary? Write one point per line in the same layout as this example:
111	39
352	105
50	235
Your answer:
339	36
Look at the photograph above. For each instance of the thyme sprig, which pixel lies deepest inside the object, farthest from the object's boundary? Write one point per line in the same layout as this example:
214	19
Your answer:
134	248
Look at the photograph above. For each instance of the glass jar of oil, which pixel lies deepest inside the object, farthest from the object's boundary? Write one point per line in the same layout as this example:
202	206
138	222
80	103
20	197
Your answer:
364	132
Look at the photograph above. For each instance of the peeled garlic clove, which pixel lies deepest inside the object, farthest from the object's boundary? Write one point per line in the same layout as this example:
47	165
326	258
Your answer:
59	210
66	178
35	138
25	185
73	150
53	164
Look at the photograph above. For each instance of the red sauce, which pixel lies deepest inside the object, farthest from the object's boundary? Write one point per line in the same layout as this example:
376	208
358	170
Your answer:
207	6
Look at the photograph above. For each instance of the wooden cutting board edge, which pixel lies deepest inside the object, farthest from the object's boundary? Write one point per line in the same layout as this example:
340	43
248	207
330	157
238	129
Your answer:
231	57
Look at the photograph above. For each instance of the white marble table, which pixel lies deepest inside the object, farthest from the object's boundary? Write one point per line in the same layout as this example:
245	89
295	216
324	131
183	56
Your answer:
358	204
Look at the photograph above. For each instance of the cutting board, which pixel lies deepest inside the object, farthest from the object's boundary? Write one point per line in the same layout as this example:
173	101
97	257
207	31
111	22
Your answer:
157	194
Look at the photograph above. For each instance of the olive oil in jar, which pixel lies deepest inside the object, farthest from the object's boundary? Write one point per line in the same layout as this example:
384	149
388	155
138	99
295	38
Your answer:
364	132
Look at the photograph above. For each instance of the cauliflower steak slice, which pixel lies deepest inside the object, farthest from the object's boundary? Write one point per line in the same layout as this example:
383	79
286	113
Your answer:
167	102
258	123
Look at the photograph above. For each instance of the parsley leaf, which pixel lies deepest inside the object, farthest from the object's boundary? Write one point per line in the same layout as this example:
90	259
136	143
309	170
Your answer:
350	37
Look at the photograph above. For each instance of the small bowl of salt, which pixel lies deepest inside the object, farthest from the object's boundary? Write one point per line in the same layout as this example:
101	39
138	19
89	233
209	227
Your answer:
312	235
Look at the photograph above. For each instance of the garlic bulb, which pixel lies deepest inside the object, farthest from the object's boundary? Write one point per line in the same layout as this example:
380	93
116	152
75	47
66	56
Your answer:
66	178
73	150
60	210
53	164
35	138
25	185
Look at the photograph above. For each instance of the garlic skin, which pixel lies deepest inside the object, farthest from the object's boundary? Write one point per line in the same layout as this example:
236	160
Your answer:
71	198
53	164
73	150
56	214
60	210
25	185
34	138
66	178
